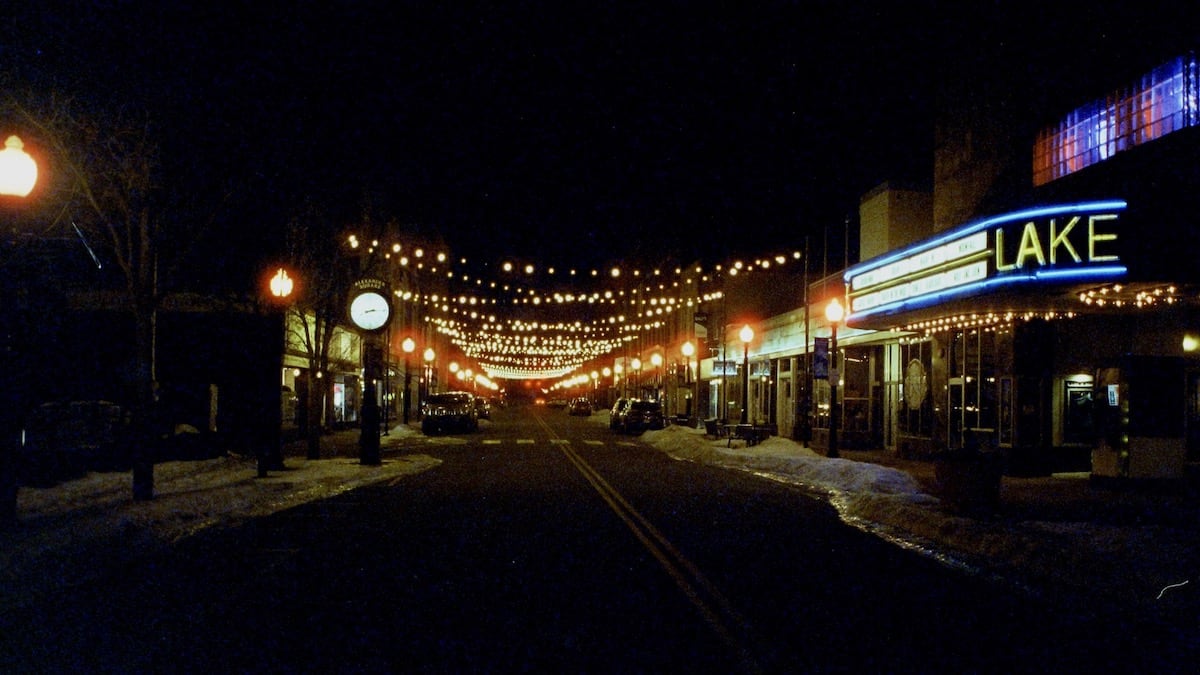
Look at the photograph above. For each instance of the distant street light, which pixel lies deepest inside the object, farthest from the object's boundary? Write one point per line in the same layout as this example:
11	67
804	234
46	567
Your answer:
834	313
689	350
656	360
746	334
408	345
429	357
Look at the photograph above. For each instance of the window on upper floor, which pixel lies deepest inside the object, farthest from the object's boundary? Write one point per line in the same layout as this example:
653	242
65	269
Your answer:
1161	101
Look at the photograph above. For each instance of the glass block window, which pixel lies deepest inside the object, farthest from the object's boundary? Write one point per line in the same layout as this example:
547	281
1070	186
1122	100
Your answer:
1161	101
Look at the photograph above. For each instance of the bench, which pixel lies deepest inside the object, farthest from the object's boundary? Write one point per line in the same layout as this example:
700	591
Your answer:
753	434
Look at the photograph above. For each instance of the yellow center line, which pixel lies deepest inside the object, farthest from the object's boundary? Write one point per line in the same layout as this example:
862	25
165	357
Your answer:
682	571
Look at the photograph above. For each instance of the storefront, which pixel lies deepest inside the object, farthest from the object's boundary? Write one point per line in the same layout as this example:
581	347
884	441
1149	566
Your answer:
1043	333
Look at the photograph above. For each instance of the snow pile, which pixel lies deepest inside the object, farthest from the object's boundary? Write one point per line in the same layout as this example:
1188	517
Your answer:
94	518
781	458
1112	565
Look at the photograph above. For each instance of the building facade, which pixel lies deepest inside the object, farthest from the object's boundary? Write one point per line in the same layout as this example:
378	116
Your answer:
1041	300
1056	317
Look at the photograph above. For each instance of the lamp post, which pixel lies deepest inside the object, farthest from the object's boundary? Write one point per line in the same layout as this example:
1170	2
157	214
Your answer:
408	345
834	313
617	370
18	175
656	360
636	364
607	373
746	334
688	350
280	287
429	357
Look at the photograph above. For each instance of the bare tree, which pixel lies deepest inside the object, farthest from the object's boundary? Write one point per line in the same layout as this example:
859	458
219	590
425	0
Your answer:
103	172
317	314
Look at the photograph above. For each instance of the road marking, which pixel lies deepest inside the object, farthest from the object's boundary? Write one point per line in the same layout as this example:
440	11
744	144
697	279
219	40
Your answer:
524	441
491	441
560	441
594	442
708	600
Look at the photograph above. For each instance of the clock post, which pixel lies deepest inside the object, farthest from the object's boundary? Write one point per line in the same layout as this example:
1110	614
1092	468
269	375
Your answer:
368	441
370	310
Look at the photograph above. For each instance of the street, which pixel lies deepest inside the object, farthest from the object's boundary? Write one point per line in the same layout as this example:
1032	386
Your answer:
547	542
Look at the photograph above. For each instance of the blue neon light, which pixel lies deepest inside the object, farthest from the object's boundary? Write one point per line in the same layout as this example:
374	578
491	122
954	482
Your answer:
971	228
930	299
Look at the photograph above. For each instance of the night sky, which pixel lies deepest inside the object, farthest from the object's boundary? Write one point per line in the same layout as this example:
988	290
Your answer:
577	133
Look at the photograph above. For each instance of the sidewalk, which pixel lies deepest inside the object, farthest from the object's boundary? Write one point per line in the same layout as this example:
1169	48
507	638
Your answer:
76	531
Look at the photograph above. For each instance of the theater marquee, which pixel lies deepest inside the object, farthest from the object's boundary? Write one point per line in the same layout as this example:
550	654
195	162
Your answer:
1051	244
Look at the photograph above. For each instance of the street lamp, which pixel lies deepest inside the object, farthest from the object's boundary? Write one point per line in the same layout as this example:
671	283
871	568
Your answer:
280	287
637	371
689	350
746	334
656	360
429	357
408	345
18	175
834	313
18	171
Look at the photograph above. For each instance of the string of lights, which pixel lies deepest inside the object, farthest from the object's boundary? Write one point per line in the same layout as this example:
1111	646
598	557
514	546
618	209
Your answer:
518	317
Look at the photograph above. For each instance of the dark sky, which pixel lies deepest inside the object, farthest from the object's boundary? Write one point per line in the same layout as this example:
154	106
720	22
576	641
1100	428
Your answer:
577	133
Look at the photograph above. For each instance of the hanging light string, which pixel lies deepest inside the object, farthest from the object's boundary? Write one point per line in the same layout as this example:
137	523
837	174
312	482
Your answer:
502	314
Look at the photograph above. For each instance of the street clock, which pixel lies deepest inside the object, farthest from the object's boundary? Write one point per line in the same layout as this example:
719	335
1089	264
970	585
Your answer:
370	309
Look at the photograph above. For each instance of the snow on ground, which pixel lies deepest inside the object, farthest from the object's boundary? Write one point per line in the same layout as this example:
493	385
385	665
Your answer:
1111	566
70	532
93	519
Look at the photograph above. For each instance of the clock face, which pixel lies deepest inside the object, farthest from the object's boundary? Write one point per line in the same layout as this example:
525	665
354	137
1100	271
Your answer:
369	310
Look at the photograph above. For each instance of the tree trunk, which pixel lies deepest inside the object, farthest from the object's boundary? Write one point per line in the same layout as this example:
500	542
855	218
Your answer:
314	405
146	416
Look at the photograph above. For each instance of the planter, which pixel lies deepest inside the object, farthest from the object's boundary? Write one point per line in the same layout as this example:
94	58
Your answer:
969	482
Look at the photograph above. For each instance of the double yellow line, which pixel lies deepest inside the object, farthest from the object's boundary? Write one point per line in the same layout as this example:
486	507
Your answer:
716	610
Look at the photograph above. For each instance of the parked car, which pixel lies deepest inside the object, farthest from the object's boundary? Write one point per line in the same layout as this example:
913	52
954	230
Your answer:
450	411
642	415
483	409
617	412
580	406
556	403
62	440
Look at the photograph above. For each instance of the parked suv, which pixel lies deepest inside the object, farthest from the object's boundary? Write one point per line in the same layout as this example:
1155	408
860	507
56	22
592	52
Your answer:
617	412
642	415
451	411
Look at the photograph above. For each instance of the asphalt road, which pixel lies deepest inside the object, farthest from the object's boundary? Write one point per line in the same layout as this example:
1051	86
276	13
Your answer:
545	542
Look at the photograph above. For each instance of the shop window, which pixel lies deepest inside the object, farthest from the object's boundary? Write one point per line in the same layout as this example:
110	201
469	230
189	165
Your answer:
856	390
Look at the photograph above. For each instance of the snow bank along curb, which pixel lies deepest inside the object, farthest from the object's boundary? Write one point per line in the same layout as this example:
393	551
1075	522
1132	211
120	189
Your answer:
1109	565
74	532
